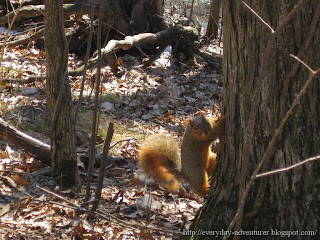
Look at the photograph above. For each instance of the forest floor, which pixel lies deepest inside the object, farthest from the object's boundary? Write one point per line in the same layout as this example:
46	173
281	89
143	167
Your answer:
141	102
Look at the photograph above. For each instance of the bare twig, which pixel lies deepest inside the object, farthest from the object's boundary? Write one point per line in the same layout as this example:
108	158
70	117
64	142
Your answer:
8	31
257	15
95	111
120	141
84	73
288	168
191	9
103	215
289	17
306	65
103	164
15	172
58	196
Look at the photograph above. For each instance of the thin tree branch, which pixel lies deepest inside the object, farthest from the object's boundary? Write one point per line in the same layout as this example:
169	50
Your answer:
120	141
104	162
303	63
289	17
9	29
58	196
84	73
191	9
95	111
102	214
257	15
288	168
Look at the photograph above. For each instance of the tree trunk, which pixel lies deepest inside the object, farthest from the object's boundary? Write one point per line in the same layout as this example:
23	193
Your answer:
63	142
213	23
139	16
286	201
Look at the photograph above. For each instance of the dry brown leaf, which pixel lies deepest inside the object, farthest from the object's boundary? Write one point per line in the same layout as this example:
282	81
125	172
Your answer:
20	180
70	212
145	236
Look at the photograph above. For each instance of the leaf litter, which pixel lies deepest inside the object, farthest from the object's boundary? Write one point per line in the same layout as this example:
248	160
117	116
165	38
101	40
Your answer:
141	102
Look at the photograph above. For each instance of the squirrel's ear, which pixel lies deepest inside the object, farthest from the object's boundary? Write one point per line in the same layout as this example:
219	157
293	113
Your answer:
190	121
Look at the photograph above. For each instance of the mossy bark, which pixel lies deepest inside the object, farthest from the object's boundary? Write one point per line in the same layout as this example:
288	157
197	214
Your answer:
289	200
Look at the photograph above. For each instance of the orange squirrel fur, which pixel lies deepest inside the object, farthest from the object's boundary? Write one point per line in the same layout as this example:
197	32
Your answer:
159	155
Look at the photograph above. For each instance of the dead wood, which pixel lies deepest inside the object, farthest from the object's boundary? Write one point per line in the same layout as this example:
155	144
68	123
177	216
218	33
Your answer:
213	61
163	38
185	35
38	10
26	39
28	144
30	79
15	4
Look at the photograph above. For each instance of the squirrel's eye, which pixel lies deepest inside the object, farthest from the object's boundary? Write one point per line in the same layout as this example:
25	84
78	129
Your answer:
196	129
206	132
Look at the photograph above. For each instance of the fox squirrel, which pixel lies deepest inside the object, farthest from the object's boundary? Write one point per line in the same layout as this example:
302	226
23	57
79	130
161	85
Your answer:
159	155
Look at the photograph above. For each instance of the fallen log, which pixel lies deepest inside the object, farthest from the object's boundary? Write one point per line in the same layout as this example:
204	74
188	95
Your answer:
26	143
169	36
38	10
27	39
30	79
163	38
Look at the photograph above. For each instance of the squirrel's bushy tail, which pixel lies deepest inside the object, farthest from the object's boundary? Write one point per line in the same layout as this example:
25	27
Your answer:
159	158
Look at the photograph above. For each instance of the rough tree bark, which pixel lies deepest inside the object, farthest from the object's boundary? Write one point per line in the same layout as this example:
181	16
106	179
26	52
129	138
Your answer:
289	200
213	23
63	141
